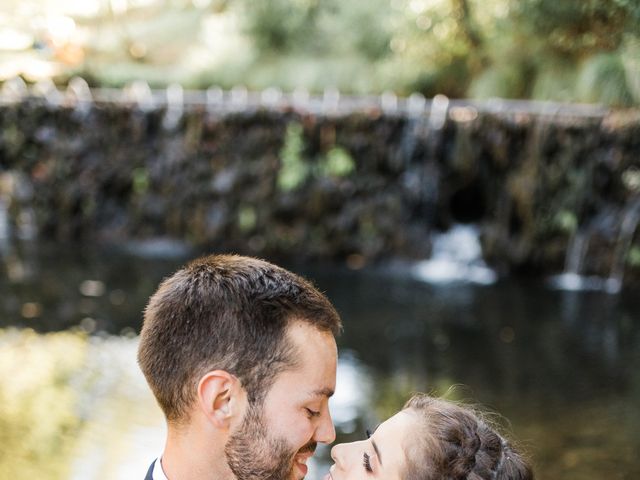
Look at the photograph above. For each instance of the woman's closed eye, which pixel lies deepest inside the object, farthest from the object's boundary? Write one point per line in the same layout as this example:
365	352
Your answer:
366	462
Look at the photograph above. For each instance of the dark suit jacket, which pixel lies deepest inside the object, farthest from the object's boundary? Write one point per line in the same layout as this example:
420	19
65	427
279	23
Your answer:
150	472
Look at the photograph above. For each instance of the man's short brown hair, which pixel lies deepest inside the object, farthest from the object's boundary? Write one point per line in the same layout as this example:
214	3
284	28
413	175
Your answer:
230	313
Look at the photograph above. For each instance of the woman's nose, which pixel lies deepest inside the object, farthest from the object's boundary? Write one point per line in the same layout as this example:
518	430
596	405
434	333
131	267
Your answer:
336	453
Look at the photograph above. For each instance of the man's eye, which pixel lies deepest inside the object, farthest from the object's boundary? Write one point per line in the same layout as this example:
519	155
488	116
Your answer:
312	413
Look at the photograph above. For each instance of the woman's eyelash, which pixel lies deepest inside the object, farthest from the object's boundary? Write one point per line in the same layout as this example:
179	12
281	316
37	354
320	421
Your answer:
368	433
312	413
366	461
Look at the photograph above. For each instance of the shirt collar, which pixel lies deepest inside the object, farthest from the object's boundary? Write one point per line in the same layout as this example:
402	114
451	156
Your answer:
158	473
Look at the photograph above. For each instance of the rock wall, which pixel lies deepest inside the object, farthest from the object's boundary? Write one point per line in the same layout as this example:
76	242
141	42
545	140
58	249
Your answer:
363	184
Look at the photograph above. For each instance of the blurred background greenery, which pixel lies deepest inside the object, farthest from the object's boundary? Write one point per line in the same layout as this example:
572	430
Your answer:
569	50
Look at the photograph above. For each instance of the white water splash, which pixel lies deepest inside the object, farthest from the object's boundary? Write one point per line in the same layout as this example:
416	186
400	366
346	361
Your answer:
573	282
456	257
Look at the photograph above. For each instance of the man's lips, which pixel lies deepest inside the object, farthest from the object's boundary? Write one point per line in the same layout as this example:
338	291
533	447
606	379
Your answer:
301	461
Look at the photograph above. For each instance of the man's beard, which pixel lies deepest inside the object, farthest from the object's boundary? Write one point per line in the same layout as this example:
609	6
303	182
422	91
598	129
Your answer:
253	455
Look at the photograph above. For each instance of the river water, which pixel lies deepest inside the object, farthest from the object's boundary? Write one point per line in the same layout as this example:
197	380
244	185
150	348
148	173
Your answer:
562	368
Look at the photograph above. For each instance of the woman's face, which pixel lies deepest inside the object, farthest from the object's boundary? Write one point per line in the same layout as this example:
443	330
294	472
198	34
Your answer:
381	456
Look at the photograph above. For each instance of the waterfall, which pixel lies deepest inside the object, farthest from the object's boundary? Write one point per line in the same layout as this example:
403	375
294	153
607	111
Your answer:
456	257
576	253
175	107
16	190
572	278
630	220
27	228
6	187
4	225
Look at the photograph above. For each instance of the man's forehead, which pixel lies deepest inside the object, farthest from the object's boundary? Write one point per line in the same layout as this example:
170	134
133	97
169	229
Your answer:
308	380
313	347
314	372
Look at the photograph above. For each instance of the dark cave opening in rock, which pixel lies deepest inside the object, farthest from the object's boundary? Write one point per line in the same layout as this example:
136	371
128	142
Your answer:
467	204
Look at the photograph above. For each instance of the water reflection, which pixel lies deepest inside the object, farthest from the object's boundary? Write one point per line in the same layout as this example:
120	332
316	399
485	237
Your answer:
74	407
51	288
562	366
123	427
37	414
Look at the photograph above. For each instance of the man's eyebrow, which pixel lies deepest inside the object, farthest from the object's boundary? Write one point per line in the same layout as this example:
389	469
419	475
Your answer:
323	392
375	447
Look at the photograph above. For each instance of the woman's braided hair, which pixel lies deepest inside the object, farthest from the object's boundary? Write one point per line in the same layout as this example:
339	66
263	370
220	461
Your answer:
455	444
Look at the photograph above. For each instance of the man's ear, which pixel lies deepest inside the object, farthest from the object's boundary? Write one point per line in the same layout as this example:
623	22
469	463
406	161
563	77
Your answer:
219	397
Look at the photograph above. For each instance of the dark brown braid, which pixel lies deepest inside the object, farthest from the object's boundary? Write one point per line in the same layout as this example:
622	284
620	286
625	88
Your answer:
458	445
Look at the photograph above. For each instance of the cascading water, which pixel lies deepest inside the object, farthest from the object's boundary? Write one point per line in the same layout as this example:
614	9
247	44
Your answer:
4	225
456	257
573	279
175	107
630	220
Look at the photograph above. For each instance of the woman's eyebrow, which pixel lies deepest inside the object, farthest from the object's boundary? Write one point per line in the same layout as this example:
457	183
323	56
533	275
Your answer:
375	447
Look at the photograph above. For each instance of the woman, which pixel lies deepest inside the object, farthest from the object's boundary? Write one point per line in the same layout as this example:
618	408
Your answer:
430	439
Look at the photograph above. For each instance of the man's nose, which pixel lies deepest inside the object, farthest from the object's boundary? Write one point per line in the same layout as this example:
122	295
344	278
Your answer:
325	432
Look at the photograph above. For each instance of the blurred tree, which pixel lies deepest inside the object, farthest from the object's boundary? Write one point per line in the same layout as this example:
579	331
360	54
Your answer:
279	26
568	50
319	28
440	44
577	27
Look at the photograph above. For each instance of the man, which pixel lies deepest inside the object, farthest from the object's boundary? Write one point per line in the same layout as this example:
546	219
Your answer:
241	357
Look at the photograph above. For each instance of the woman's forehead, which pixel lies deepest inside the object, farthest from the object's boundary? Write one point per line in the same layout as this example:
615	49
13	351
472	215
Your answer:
391	438
399	424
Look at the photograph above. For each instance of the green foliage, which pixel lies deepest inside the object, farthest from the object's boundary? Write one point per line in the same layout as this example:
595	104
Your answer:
571	50
566	221
577	27
278	26
630	57
603	79
431	42
338	163
247	218
140	180
501	80
633	258
563	51
293	169
631	179
324	28
555	81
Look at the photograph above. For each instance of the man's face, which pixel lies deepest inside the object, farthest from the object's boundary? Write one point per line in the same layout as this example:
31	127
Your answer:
277	438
